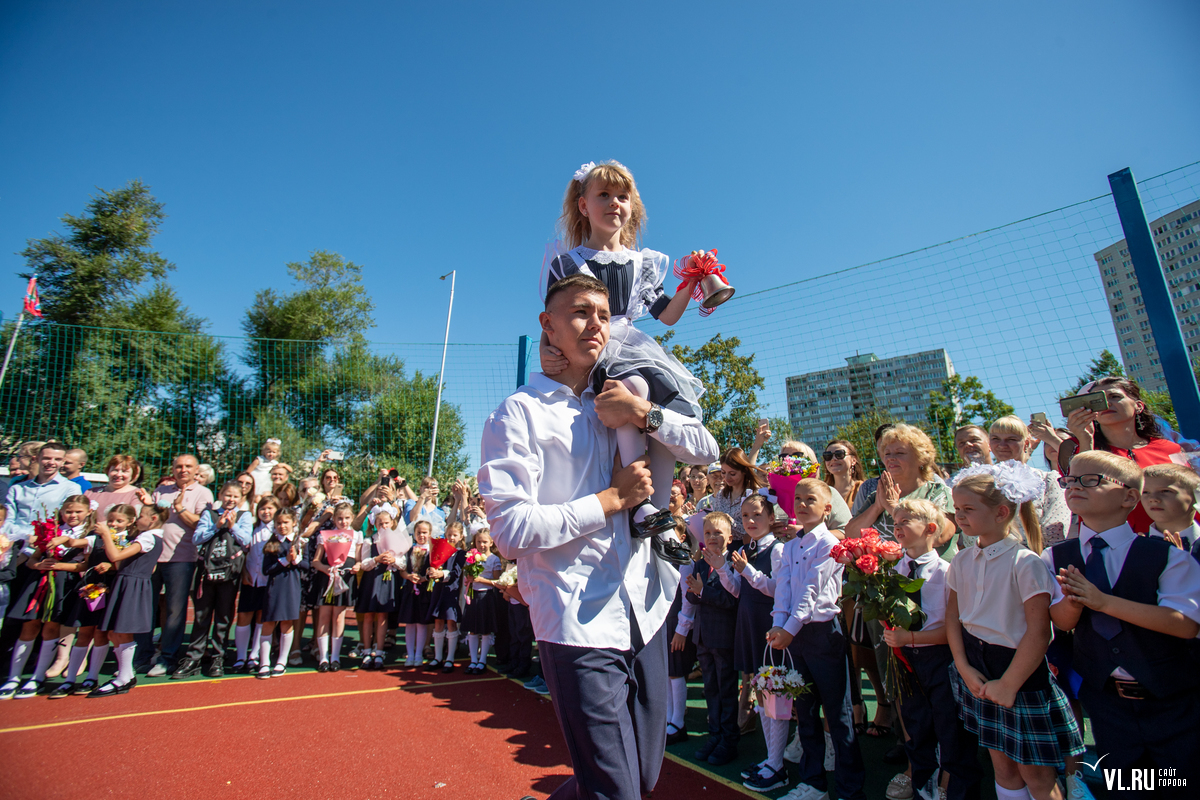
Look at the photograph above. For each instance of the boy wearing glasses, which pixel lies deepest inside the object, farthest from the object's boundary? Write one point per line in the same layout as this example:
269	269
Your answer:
1134	603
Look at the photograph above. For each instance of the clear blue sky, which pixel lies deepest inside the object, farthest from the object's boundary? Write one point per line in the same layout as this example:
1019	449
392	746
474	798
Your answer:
418	138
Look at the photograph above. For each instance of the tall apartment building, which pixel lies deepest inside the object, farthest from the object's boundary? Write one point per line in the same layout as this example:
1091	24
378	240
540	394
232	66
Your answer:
1175	237
821	402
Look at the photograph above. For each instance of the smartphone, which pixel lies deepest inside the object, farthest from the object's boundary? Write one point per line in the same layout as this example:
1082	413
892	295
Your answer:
763	421
335	455
1038	416
1096	401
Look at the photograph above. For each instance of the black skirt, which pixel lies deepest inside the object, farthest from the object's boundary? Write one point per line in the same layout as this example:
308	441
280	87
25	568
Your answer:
25	587
414	604
480	614
251	599
283	595
377	591
679	662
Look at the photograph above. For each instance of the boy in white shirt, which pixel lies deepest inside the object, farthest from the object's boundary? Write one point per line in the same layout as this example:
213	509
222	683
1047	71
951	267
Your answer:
1169	498
808	586
929	711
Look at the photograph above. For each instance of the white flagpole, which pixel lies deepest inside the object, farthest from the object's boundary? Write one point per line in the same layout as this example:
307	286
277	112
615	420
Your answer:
11	343
441	374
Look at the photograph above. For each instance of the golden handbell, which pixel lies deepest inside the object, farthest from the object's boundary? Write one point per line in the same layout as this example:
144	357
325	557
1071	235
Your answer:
715	291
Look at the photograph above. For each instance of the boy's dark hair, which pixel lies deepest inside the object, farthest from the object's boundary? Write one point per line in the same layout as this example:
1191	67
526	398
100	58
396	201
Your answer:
578	280
53	445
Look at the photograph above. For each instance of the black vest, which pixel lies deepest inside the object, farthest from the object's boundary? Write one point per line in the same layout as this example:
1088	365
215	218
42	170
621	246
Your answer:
761	562
1158	661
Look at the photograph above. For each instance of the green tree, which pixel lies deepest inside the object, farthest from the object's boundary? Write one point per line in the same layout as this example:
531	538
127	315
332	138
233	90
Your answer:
86	276
1102	366
861	433
961	401
730	400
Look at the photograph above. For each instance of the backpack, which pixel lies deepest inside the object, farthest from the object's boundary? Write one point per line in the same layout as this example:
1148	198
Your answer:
221	557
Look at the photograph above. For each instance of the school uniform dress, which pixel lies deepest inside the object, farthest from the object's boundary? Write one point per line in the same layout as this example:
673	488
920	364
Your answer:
76	612
929	711
711	617
283	589
680	662
443	601
347	597
479	615
379	590
755	591
253	596
130	607
808	586
31	594
992	583
415	597
1139	686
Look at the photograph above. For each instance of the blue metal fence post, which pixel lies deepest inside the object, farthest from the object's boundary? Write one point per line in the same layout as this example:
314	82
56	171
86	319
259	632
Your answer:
1164	325
522	361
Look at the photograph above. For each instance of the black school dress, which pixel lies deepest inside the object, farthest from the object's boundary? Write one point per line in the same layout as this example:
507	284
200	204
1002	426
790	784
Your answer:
482	610
283	590
380	587
444	602
415	598
321	579
679	662
75	609
130	607
26	583
754	610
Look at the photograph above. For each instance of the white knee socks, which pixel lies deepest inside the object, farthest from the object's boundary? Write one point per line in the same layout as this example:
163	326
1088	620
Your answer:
439	645
45	659
125	663
256	639
78	654
451	645
322	649
285	647
410	644
337	648
20	658
264	652
473	647
775	731
241	638
677	702
1012	794
485	646
99	654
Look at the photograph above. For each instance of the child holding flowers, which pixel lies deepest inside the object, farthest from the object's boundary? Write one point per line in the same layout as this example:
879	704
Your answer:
85	606
42	596
130	609
928	709
443	602
335	558
998	627
283	562
414	599
807	589
380	570
479	617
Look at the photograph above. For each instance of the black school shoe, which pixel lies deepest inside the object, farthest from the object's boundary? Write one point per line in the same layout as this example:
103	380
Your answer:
65	689
708	747
723	755
678	736
186	669
215	670
112	689
773	780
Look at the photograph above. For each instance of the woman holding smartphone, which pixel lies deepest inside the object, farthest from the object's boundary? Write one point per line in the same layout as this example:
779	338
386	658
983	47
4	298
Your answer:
1126	428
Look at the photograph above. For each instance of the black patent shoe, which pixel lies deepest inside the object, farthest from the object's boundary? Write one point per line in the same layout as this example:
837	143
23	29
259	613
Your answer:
669	548
658	522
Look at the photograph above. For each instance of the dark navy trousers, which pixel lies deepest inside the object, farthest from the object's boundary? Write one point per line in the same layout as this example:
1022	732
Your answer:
931	718
612	708
720	692
819	653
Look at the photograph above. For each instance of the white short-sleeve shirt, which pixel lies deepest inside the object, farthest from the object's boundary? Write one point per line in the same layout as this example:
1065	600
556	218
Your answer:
992	584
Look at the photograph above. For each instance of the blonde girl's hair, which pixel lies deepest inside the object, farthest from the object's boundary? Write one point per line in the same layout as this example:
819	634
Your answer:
984	486
475	537
89	521
575	226
461	542
918	441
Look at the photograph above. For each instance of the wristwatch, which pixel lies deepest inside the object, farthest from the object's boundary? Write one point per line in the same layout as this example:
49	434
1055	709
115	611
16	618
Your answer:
654	419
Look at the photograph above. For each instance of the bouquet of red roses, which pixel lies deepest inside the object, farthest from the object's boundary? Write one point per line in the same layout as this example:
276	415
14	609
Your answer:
44	532
879	591
474	567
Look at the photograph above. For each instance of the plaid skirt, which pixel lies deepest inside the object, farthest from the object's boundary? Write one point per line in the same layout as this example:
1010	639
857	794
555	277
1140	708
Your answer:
1038	730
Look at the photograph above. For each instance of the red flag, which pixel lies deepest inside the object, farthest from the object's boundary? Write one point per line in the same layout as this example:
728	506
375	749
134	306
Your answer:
33	303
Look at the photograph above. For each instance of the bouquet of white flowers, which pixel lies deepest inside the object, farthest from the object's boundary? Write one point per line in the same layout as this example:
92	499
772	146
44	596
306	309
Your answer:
776	686
508	577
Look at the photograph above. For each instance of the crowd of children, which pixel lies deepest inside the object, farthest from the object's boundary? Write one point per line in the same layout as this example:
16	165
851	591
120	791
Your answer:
1025	637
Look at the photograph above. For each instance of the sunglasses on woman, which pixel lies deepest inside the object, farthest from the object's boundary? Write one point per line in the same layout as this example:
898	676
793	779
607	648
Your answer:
1090	481
834	455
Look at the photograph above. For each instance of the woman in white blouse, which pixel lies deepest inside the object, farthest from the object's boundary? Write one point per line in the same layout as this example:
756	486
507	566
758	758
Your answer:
1010	440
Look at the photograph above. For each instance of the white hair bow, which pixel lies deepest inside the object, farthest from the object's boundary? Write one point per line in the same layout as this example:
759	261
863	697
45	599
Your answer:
584	170
388	507
1018	482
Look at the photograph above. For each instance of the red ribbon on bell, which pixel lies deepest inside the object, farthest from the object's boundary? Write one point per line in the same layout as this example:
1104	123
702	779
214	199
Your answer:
711	288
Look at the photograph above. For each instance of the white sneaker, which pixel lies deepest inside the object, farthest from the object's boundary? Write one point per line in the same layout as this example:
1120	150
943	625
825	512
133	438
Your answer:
830	756
794	751
1077	789
805	792
157	671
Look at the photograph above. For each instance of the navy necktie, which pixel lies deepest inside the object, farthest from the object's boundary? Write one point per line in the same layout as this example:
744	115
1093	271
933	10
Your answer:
913	566
1095	571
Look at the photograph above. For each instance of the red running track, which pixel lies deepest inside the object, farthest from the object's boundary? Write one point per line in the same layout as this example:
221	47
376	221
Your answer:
348	735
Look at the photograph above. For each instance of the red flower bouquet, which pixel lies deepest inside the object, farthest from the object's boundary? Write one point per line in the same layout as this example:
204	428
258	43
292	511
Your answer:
44	532
474	567
337	546
879	591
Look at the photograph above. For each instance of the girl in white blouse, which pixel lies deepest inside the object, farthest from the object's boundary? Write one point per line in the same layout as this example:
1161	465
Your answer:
998	626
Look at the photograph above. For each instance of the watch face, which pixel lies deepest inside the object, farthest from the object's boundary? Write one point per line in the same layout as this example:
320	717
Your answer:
654	417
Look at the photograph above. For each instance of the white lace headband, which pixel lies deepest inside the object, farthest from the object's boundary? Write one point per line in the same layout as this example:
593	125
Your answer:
274	441
388	507
586	169
1018	482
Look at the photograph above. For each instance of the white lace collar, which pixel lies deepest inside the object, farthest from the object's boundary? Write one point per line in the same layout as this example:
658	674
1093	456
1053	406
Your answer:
623	256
